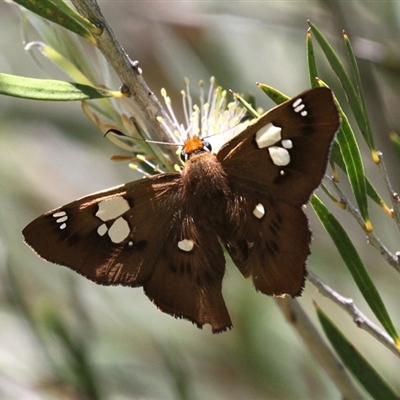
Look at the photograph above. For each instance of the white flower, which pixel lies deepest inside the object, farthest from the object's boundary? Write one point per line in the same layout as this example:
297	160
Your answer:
213	118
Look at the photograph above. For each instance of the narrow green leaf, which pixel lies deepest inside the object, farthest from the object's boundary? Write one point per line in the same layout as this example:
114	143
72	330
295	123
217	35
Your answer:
357	76
48	89
275	95
78	360
337	158
354	264
312	65
176	370
64	42
250	99
58	59
61	13
373	383
65	7
344	78
23	306
354	166
395	139
253	113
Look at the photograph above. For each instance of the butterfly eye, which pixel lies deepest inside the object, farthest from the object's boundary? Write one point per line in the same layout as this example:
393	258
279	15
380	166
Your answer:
207	146
184	155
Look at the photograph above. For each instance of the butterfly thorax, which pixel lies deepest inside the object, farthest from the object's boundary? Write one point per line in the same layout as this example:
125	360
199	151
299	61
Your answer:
204	177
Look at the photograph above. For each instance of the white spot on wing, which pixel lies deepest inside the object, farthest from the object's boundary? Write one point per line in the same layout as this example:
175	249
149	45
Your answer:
119	230
268	135
287	143
102	229
279	155
296	103
298	107
59	214
62	217
112	208
186	245
259	211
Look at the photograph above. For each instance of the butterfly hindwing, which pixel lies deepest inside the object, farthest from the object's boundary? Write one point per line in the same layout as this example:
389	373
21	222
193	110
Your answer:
272	246
187	278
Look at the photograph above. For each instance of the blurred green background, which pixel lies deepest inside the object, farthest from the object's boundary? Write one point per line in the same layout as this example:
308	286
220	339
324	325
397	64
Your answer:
50	154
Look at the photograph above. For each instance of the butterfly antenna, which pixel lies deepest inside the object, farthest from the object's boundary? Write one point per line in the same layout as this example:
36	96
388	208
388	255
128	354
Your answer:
242	120
119	133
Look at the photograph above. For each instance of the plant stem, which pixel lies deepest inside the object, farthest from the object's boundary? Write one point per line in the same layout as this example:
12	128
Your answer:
318	348
126	69
358	317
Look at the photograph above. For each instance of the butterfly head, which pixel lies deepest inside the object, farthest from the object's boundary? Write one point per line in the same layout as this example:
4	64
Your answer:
194	145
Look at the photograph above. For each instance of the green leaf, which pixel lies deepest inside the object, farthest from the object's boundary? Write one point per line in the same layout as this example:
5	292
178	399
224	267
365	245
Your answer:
275	95
347	85
395	139
66	43
312	65
48	89
58	59
248	106
373	383
356	73
78	361
61	13
337	158
354	264
354	166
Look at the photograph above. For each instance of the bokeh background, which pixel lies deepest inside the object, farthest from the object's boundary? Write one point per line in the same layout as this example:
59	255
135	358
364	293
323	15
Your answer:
50	154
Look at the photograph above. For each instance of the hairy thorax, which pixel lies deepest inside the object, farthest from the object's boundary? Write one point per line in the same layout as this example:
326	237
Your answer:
204	177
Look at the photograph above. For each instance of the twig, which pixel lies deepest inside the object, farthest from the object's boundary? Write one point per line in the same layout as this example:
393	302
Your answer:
331	364
128	71
394	197
392	259
358	317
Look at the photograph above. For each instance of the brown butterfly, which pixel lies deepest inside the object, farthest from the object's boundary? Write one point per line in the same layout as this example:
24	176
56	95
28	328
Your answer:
167	232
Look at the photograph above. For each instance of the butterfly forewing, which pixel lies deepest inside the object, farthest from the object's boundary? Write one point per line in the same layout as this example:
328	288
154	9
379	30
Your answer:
111	237
285	151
